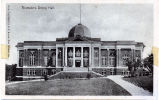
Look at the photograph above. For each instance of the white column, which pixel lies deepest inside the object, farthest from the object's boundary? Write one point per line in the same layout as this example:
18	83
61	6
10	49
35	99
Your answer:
119	60
63	57
73	56
56	56
117	51
134	54
99	57
81	56
66	56
108	57
24	63
90	57
141	54
18	58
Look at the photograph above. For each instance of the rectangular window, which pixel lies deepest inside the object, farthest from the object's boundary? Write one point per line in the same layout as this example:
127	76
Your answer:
104	57
96	56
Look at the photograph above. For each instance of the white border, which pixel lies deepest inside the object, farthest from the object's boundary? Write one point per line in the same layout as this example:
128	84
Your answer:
3	41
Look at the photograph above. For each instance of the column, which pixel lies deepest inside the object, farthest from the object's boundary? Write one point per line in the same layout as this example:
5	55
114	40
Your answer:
99	57
108	57
134	54
18	58
24	63
141	54
42	58
27	58
73	56
81	56
63	62
66	56
117	51
92	56
119	57
56	56
90	64
38	57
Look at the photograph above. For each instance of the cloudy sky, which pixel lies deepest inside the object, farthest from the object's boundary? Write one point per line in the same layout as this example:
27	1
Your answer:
110	22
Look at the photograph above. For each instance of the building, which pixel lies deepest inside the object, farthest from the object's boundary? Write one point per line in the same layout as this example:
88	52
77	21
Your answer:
77	52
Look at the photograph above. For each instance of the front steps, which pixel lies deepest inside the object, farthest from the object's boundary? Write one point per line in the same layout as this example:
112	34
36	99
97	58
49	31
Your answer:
76	69
74	74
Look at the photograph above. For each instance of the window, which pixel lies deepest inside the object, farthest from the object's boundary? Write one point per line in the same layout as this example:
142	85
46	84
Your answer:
78	53
112	71
53	71
104	61
34	72
85	54
123	72
44	72
112	61
104	72
70	54
104	57
28	72
96	56
32	58
45	60
85	62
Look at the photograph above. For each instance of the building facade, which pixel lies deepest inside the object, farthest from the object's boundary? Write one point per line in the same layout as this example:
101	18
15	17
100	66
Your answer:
77	52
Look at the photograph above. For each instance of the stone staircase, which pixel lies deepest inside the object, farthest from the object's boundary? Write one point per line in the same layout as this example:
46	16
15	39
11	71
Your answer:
76	69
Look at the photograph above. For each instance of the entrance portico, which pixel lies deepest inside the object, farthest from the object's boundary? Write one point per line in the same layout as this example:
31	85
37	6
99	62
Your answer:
76	56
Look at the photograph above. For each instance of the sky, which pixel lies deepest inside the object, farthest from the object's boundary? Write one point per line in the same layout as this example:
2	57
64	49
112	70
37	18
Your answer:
110	22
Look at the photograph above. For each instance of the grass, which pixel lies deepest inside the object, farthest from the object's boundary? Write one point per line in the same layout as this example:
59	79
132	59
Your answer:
98	86
145	82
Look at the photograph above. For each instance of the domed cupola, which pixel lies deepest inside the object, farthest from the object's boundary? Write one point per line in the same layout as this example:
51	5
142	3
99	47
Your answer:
79	30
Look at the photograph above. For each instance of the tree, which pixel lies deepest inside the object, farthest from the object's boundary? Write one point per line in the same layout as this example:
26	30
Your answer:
133	65
130	65
148	63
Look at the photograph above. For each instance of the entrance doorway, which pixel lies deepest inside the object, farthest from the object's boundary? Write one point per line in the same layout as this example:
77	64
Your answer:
78	63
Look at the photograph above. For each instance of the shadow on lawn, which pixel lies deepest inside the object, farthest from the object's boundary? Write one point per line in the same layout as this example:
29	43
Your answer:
146	82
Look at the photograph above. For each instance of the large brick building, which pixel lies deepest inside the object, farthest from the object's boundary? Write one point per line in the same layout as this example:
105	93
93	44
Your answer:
77	52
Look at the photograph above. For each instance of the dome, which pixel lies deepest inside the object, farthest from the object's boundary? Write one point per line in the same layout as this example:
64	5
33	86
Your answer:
79	30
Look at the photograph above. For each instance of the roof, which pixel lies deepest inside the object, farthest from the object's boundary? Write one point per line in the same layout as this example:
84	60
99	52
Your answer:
79	30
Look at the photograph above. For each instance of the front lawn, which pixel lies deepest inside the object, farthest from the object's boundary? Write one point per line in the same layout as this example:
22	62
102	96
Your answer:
98	86
145	82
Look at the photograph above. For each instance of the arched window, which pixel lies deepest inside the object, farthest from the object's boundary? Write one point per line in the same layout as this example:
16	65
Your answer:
32	58
70	54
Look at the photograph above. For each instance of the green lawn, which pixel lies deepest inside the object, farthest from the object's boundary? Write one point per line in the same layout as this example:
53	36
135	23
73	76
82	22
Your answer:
98	86
145	82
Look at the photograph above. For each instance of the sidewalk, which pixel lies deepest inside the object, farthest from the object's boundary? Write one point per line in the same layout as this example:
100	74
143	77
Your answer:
15	82
131	88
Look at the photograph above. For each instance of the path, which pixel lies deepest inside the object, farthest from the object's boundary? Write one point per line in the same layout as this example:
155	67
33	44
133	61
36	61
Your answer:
131	88
15	82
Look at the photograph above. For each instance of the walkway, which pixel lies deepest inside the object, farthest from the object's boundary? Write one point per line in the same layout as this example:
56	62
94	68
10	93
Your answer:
131	88
15	82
